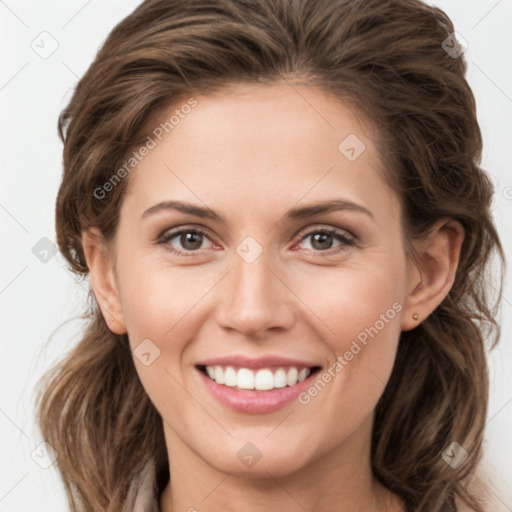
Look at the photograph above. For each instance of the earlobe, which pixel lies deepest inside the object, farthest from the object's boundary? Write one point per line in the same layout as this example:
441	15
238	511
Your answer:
103	283
433	274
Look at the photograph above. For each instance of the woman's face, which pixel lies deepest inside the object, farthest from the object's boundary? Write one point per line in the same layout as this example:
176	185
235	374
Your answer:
275	288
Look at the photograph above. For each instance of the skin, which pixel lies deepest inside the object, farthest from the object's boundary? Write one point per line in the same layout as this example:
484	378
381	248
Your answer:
250	153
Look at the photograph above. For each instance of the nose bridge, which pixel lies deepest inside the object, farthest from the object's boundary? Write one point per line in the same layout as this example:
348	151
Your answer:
254	298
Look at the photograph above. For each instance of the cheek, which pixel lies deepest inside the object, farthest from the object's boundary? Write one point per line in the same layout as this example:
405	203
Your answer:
158	305
163	314
360	311
157	299
349	301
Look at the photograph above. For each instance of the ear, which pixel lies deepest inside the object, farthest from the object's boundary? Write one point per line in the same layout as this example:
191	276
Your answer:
431	277
101	270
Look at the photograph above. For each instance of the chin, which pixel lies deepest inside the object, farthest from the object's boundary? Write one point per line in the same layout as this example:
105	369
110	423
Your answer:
258	456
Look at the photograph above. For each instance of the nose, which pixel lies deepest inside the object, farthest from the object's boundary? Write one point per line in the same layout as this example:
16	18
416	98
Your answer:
255	299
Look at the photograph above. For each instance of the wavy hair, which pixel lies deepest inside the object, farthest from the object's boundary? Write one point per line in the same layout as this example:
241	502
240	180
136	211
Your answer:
384	58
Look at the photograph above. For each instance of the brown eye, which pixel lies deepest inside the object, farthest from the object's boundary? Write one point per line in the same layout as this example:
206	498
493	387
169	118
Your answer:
322	240
191	240
188	240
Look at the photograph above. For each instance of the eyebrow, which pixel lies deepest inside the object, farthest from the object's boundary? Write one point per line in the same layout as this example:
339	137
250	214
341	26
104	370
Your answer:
297	213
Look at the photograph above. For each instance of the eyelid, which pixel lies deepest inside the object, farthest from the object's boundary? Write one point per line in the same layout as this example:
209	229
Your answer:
325	228
172	232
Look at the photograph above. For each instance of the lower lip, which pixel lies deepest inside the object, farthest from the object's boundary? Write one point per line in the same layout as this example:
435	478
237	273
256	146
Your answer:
255	402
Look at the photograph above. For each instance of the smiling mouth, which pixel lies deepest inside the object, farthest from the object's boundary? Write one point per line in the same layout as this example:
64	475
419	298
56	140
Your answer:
257	379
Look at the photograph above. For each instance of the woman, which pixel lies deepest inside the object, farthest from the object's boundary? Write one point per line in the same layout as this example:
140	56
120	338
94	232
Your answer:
280	207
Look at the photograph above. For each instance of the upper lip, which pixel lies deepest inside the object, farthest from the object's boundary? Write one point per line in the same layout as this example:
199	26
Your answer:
259	362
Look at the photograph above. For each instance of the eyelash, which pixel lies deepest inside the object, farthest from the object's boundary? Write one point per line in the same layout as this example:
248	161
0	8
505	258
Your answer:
165	237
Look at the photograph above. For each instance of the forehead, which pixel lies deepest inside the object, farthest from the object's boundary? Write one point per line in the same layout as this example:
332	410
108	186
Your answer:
278	143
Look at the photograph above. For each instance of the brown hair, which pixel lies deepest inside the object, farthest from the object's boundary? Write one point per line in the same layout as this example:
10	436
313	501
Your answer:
385	58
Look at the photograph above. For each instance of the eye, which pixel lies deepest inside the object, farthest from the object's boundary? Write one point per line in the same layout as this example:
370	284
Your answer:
191	239
322	239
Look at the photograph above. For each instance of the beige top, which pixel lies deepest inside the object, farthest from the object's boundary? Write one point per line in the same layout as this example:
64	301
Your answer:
144	492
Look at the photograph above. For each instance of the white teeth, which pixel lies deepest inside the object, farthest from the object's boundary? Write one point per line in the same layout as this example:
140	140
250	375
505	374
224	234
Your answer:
303	373
280	378
219	375
244	379
291	378
230	378
263	379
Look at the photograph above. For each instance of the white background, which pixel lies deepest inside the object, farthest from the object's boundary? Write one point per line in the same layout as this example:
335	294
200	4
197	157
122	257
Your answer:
37	297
